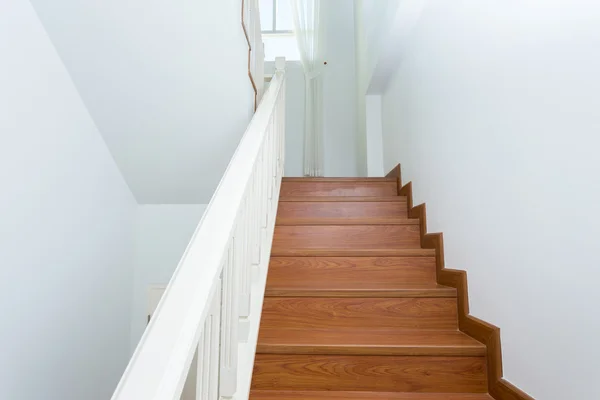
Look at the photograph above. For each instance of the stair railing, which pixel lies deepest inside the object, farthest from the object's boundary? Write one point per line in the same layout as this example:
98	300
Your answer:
203	334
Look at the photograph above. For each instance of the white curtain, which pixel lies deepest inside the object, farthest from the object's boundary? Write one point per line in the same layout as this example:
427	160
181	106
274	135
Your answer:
307	29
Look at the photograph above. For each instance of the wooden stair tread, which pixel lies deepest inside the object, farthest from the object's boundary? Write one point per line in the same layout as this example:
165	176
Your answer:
352	308
350	271
368	341
423	374
327	395
355	252
347	221
350	312
336	211
307	179
321	199
331	187
347	237
358	289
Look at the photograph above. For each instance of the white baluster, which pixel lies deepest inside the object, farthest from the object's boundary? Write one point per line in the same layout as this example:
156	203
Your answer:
229	325
254	225
207	376
245	270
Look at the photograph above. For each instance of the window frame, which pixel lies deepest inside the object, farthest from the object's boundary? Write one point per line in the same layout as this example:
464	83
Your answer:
274	31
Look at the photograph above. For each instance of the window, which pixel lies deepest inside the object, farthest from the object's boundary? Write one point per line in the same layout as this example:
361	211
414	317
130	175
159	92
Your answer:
277	25
276	16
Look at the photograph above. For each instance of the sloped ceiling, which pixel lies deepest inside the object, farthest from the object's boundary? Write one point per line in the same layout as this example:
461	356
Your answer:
166	83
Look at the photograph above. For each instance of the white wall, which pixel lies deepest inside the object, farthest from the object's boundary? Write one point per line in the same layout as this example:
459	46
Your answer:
162	234
166	83
493	114
373	24
66	235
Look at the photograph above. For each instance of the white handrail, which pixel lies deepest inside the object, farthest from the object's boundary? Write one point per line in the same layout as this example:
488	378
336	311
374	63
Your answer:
199	313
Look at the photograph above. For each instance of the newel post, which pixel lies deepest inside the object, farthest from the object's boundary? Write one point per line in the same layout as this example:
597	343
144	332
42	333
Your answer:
279	64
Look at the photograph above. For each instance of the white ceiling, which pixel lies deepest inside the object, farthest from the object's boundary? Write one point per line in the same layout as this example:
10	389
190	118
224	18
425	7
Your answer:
166	83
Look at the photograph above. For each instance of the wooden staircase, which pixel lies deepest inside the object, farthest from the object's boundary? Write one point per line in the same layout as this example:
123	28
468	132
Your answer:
352	309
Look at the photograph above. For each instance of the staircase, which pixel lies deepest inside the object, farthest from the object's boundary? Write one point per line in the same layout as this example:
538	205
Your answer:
352	309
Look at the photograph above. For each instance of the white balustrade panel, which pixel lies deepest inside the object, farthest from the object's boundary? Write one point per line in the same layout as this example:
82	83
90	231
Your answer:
208	317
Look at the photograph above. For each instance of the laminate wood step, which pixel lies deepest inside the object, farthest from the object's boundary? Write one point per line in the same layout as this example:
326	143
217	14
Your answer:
349	272
368	341
347	221
339	210
356	252
305	179
329	187
346	237
376	313
360	289
370	373
328	395
340	199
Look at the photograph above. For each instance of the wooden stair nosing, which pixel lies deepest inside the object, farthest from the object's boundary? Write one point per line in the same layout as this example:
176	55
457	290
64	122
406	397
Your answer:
338	179
323	199
311	221
368	342
328	252
359	395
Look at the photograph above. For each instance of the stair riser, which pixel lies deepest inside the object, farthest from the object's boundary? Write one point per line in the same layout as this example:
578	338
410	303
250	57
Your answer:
342	210
307	271
338	189
346	237
370	373
398	313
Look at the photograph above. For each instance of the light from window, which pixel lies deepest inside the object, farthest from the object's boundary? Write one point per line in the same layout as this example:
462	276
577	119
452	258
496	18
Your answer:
282	45
266	15
276	16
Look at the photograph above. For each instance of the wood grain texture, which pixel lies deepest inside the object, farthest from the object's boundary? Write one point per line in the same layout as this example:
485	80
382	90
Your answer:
326	312
339	188
366	341
310	179
329	210
396	173
357	252
346	237
327	395
346	221
383	290
374	373
350	272
342	199
484	332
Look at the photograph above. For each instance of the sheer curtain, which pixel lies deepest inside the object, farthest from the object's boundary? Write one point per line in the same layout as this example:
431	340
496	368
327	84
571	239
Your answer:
307	28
